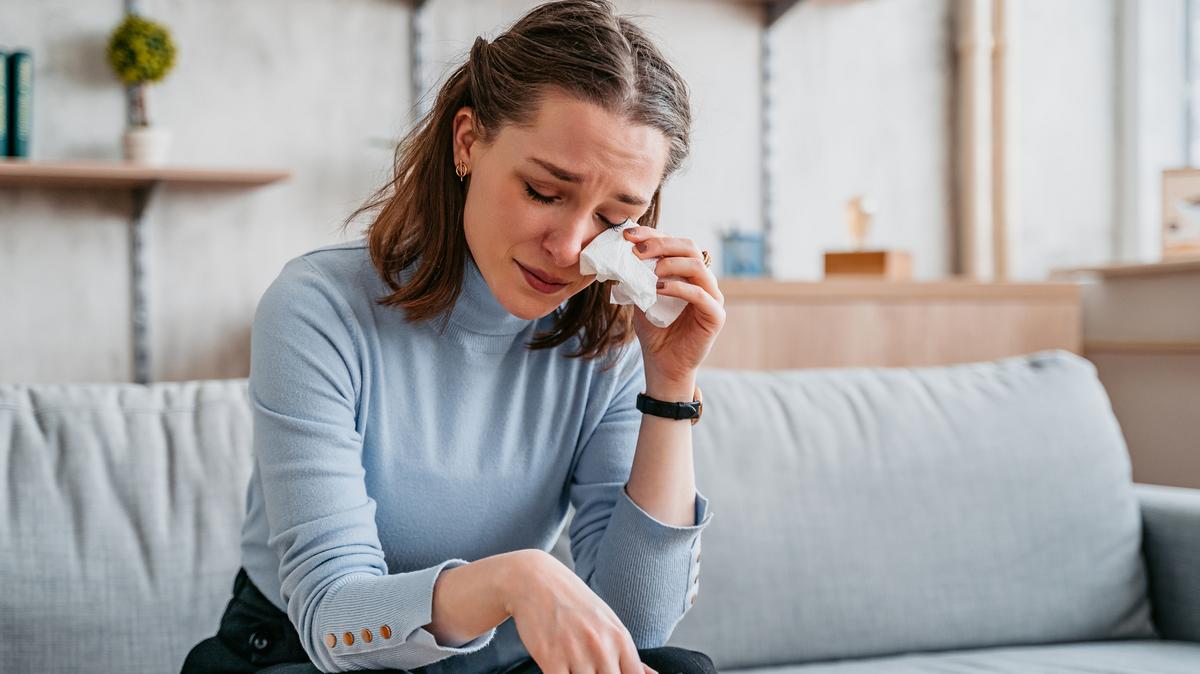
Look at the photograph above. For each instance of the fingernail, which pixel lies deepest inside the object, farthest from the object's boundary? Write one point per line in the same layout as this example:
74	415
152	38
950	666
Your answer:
661	285
641	247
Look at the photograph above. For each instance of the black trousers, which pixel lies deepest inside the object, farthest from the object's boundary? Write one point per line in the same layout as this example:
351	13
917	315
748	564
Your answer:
254	636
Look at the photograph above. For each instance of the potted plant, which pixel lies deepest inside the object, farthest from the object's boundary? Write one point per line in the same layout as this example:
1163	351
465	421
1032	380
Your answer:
141	52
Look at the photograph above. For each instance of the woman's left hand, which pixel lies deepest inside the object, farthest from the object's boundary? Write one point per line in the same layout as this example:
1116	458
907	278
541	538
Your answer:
674	353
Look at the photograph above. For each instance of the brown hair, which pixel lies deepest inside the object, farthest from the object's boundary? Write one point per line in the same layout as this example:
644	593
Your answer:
586	50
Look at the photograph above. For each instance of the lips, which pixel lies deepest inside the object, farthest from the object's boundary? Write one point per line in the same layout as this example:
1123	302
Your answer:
543	276
538	283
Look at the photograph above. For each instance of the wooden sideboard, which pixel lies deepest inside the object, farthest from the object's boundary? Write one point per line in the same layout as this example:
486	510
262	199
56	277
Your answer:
1142	330
842	323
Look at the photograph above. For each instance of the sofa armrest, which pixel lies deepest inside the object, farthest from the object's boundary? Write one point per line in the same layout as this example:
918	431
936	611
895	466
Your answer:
1171	544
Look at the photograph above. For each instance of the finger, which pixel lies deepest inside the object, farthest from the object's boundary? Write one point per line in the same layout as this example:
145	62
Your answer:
693	270
620	656
709	312
640	232
631	662
648	669
667	246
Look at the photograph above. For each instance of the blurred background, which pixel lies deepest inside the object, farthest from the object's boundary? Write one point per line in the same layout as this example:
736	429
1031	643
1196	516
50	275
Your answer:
882	182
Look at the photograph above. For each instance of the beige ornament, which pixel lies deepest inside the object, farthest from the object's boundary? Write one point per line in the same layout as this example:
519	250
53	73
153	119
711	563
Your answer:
859	210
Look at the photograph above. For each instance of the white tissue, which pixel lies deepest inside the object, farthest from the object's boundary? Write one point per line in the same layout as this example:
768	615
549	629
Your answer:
610	256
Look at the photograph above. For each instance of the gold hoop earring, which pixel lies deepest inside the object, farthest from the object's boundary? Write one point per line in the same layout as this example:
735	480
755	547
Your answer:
460	169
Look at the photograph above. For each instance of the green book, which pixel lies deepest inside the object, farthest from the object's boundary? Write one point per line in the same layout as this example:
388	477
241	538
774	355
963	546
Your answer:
3	103
20	102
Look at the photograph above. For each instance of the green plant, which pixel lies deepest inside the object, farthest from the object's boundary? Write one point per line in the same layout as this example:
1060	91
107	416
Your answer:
140	51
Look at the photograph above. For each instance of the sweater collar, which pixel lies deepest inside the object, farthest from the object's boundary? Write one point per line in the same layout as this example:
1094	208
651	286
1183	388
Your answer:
478	311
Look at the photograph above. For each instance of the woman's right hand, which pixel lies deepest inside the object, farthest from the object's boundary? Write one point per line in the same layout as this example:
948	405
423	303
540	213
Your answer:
565	626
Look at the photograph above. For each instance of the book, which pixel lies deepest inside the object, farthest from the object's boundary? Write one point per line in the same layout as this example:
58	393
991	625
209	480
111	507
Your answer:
3	103
20	102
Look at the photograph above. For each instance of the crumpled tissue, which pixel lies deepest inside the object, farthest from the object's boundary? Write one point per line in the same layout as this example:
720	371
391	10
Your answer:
610	256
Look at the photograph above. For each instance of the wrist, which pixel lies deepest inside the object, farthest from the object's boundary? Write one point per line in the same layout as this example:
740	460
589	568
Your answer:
671	390
516	568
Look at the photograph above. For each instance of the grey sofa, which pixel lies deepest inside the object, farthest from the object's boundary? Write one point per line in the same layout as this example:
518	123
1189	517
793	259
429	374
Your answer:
971	518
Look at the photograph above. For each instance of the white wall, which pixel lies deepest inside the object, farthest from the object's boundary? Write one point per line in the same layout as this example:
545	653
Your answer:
1152	133
862	105
1063	135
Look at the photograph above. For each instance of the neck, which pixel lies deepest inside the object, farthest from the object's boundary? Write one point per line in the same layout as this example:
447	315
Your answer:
478	318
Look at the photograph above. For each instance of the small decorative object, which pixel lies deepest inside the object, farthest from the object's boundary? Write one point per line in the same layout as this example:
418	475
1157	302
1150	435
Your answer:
743	254
141	52
859	210
1181	213
16	103
859	262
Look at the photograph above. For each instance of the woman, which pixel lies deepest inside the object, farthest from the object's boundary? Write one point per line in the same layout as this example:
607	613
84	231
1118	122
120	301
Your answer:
441	389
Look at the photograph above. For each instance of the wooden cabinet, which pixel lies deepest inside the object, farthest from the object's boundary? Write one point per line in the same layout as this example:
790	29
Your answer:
781	324
1142	330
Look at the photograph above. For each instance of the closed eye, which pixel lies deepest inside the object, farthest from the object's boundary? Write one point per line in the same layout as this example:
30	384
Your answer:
538	196
543	199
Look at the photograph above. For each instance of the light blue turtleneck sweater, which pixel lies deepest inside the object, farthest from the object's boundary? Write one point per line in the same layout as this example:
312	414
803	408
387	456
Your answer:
386	452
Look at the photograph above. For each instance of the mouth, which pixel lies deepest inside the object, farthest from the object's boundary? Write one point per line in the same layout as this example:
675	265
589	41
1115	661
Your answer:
540	281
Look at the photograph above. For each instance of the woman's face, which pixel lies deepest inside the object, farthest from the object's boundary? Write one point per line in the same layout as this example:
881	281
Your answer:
538	195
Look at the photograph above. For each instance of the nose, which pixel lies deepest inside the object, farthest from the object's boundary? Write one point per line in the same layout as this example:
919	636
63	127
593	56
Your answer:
567	239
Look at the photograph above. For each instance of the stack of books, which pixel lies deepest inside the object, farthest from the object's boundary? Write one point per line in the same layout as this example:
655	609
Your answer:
16	102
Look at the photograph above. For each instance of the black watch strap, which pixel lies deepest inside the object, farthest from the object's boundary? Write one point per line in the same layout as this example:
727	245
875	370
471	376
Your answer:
658	408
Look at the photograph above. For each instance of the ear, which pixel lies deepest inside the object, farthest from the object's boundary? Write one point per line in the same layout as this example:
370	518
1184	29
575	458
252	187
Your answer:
463	127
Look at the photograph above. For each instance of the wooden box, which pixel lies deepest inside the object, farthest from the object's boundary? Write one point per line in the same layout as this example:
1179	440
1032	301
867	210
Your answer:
892	265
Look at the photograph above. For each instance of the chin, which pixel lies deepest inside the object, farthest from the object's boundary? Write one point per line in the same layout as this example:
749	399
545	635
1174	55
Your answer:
520	302
528	304
528	309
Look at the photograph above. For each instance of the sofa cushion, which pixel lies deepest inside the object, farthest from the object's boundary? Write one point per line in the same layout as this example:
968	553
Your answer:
1112	657
869	511
121	523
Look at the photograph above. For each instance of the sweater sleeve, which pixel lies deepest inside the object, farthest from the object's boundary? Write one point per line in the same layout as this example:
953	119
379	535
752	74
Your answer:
647	571
305	381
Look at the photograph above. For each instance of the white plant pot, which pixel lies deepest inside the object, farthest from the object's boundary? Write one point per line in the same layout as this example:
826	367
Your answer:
146	144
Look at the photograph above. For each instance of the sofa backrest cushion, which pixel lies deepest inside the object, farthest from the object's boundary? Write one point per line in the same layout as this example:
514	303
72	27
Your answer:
121	523
861	512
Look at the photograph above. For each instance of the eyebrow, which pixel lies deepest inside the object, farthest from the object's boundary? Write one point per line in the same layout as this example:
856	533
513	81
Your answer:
565	175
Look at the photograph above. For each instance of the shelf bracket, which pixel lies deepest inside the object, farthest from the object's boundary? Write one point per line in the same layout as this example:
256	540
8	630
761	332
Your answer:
139	307
776	9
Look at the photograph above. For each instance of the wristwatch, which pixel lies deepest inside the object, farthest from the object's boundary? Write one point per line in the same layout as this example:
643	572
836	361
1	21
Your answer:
658	408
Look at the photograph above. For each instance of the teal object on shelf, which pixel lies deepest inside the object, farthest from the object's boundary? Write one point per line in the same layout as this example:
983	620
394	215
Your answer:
19	74
3	102
743	254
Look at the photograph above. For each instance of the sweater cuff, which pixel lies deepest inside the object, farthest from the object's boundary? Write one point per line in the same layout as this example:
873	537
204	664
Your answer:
649	523
647	570
366	615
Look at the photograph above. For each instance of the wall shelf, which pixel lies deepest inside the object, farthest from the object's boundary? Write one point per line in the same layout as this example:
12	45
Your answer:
142	181
126	175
